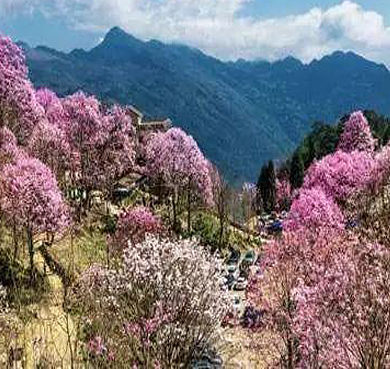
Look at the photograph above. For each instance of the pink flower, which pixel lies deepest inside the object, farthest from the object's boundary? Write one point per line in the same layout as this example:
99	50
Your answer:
357	135
30	196
341	174
314	210
133	225
96	346
175	158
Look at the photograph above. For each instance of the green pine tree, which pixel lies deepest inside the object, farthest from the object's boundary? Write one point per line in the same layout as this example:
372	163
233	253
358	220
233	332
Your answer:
297	171
266	188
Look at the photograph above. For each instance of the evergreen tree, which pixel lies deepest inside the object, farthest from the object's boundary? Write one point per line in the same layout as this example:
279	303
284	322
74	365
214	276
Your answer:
271	196
261	184
296	171
266	188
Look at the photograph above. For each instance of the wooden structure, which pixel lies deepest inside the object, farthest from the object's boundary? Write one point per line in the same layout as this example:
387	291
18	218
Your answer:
145	127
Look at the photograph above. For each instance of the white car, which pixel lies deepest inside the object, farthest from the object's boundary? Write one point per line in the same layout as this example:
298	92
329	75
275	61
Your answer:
231	268
241	284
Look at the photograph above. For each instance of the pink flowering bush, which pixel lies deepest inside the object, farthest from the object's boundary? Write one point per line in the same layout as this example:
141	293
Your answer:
132	226
357	135
49	144
161	306
297	258
380	177
30	199
341	174
48	99
9	150
174	159
342	321
102	140
314	210
19	109
30	196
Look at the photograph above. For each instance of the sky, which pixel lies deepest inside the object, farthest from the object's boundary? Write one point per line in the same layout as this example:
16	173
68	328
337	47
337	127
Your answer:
226	29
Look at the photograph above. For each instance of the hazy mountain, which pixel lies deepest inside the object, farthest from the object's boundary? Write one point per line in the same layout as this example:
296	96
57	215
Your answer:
241	113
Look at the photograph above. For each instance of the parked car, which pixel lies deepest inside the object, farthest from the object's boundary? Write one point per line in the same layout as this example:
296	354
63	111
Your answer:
234	256
252	317
241	284
244	273
276	226
250	257
352	223
231	267
230	281
120	194
236	302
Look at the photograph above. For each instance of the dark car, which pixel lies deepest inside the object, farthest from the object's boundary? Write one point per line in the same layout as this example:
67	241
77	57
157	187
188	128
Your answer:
230	281
252	318
250	257
120	194
234	257
275	227
352	223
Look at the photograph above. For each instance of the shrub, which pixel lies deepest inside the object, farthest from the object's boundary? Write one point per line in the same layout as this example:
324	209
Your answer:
159	307
133	225
312	210
341	174
357	134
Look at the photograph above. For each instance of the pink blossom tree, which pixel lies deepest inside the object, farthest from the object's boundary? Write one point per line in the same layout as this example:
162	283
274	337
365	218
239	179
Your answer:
19	109
30	199
102	140
343	320
174	159
313	210
341	174
49	144
132	227
162	306
357	135
9	150
298	258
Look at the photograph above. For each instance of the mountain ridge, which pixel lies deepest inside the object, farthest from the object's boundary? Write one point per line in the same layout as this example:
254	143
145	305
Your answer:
241	113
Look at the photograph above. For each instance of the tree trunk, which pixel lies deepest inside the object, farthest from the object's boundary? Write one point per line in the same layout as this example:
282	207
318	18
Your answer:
189	210
30	244
221	231
15	239
174	212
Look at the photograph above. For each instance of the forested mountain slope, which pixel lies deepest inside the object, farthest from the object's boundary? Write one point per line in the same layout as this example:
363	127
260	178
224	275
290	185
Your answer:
241	113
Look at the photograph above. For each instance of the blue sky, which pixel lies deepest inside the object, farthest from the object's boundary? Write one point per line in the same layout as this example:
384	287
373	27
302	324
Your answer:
228	29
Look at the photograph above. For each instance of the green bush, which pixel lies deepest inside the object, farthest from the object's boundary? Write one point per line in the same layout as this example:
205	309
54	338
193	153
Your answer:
206	228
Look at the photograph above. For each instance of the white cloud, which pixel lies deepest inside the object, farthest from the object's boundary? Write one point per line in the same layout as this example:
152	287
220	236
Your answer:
11	7
216	27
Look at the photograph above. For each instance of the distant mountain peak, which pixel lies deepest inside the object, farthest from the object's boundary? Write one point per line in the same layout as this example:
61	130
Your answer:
116	31
346	57
290	61
118	36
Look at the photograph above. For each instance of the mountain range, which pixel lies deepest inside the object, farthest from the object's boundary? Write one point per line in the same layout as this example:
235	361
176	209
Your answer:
241	113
